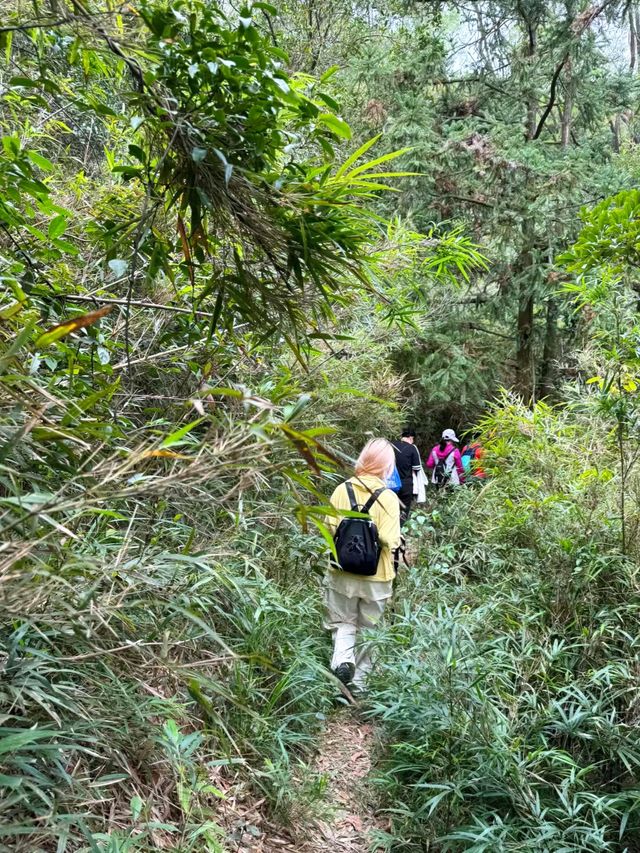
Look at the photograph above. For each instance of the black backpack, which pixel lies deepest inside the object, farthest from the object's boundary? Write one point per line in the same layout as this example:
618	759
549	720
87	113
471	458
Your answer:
356	539
442	474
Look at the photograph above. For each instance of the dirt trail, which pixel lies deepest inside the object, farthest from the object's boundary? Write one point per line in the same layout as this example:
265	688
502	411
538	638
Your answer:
347	820
345	756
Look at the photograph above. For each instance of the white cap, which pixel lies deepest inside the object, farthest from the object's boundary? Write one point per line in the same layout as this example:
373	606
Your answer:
449	435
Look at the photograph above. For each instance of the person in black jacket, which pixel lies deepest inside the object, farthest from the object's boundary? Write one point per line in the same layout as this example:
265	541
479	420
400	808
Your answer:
407	461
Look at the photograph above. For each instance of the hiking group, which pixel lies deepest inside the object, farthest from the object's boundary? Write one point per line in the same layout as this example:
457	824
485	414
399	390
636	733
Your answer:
371	508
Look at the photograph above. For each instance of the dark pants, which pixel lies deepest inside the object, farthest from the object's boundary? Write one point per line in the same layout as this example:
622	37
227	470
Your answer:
406	499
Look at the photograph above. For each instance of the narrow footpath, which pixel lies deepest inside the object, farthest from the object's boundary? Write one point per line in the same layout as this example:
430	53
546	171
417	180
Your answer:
347	815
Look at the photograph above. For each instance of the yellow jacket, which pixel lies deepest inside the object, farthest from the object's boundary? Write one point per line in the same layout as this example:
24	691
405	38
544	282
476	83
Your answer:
385	513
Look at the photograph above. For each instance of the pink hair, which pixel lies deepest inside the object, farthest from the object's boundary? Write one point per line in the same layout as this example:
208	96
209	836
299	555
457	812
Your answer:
377	458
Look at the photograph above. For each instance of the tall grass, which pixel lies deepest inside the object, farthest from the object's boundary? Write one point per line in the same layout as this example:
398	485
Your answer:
147	655
509	688
132	683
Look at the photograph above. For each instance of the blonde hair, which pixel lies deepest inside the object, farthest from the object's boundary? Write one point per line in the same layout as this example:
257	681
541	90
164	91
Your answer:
376	458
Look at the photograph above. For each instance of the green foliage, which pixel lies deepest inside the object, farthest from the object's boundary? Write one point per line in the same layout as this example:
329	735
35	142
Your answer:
508	692
604	260
158	457
219	278
513	114
128	650
609	235
219	182
150	662
453	367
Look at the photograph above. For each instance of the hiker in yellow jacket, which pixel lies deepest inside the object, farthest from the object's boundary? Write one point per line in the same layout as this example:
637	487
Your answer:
354	602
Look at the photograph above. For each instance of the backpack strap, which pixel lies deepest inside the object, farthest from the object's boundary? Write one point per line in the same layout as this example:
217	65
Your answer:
400	554
374	497
449	461
352	497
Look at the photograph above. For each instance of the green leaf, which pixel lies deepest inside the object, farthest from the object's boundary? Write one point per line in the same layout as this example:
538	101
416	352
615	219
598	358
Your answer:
137	152
325	533
12	309
11	145
357	155
5	44
329	101
329	73
65	246
266	7
57	226
128	172
292	411
137	804
16	346
17	740
27	82
336	125
383	159
108	779
177	436
40	161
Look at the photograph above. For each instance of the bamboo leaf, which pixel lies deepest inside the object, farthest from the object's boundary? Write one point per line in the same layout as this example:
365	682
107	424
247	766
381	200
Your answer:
177	436
392	155
164	454
62	329
356	155
336	125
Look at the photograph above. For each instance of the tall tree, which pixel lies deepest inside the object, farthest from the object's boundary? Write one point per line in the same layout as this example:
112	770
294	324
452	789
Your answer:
508	109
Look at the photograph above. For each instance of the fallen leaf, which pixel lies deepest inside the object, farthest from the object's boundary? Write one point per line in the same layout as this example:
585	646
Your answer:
164	454
62	329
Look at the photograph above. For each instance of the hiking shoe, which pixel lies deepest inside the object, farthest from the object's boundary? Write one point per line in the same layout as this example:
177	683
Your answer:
344	672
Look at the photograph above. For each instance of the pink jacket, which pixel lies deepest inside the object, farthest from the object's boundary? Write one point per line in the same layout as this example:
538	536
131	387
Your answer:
442	454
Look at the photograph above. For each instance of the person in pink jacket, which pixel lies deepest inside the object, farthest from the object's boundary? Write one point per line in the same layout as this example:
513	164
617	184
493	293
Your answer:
445	461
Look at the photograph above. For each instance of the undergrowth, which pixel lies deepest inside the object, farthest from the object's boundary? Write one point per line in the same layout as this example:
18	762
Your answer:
133	685
508	693
162	642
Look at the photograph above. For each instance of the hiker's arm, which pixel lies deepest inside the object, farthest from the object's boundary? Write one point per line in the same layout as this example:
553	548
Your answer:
389	521
416	462
457	458
430	462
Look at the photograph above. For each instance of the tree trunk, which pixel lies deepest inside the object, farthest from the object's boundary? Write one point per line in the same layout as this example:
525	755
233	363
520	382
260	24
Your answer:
532	104
524	383
530	52
614	124
550	352
567	108
633	38
312	39
525	372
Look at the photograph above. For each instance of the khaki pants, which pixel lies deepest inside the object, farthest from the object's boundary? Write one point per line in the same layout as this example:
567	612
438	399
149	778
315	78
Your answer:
346	617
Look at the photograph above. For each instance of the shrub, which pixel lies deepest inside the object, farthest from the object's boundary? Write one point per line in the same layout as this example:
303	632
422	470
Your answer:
510	700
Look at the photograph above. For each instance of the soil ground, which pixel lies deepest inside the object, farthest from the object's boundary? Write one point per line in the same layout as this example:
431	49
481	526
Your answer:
347	816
